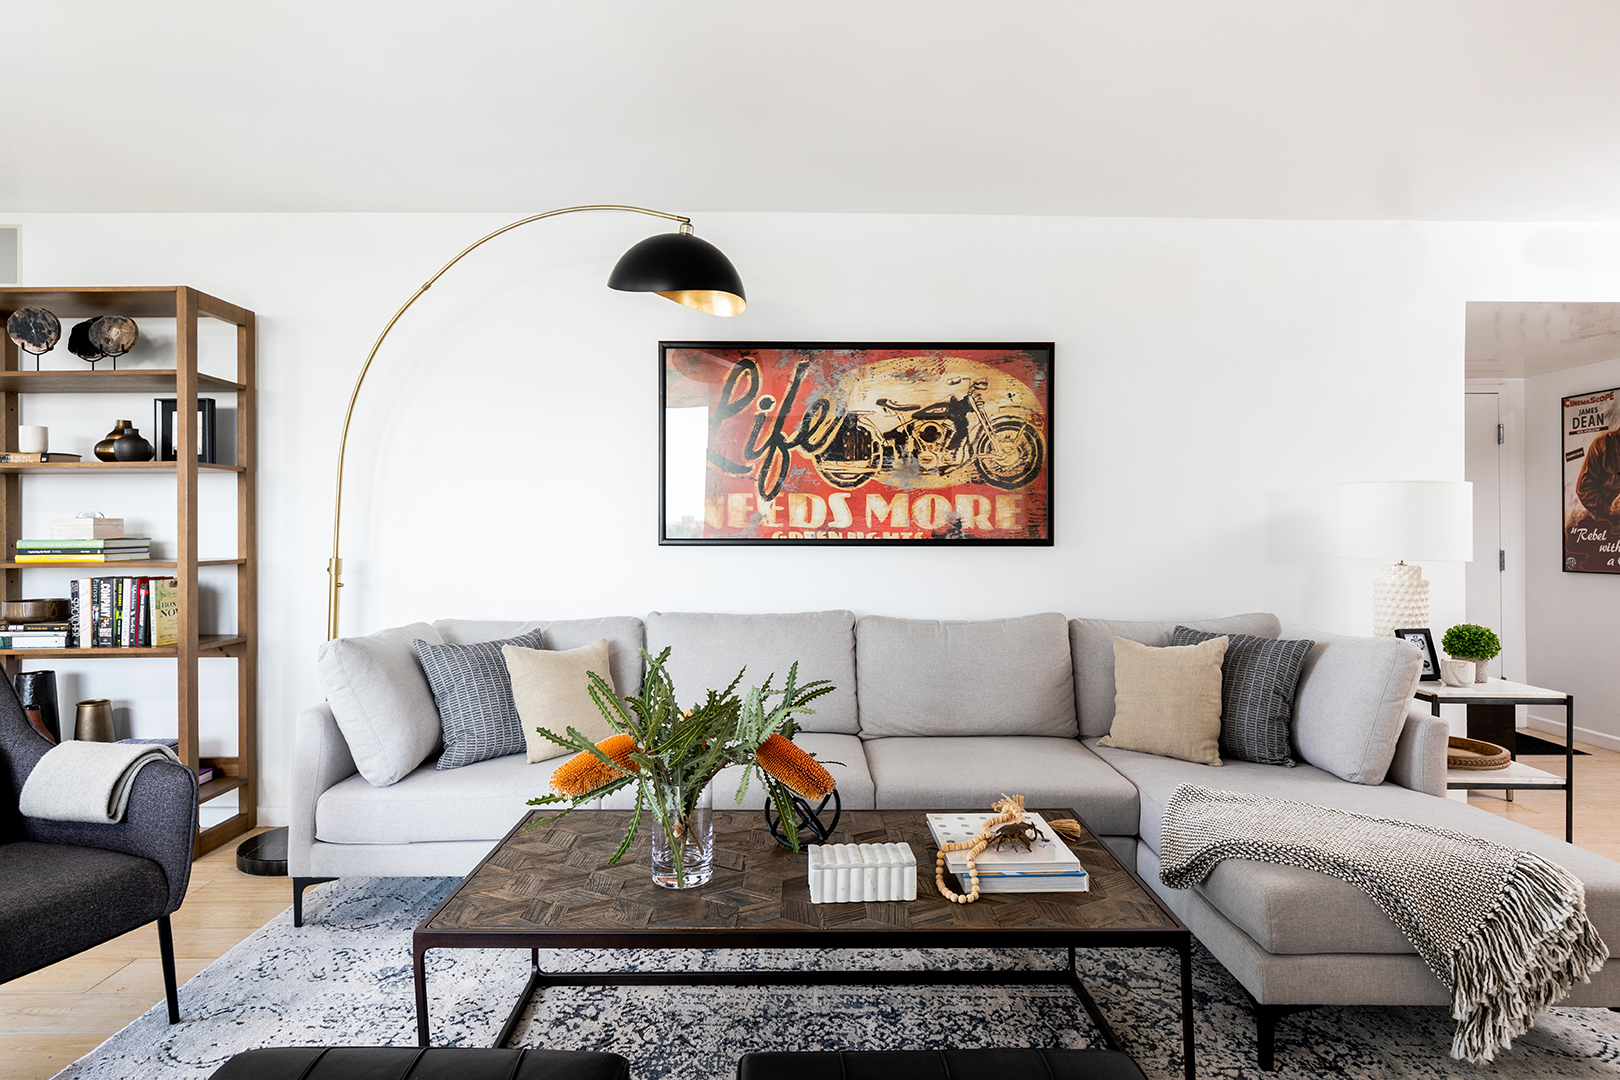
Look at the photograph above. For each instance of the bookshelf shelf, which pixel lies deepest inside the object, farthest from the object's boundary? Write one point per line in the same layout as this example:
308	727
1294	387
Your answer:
218	786
105	567
186	306
207	645
109	466
133	381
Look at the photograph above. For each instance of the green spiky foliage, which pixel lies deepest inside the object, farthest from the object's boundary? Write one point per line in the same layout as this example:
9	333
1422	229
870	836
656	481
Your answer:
680	750
1469	641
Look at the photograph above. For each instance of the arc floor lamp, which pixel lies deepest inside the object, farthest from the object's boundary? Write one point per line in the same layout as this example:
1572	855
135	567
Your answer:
676	265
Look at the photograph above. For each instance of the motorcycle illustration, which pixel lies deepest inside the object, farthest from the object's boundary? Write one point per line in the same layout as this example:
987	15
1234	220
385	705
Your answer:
935	440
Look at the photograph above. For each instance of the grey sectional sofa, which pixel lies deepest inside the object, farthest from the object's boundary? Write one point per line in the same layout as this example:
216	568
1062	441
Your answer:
932	714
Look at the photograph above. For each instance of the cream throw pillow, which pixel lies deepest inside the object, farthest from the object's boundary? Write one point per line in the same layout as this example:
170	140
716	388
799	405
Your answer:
1168	701
549	688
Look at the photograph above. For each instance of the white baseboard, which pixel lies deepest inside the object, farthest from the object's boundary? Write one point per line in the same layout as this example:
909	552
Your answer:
274	816
1585	735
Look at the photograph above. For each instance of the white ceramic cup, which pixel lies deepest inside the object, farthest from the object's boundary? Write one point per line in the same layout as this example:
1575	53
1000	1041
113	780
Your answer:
1457	672
32	438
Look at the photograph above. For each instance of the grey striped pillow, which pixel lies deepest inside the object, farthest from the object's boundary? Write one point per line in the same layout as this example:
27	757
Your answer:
474	694
1258	679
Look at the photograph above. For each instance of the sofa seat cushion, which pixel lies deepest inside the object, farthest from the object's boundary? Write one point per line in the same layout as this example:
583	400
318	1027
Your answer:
56	900
962	774
480	801
985	677
854	781
1288	909
708	650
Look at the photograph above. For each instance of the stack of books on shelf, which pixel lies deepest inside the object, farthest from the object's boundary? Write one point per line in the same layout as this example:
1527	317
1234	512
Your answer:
41	635
1049	865
125	612
120	549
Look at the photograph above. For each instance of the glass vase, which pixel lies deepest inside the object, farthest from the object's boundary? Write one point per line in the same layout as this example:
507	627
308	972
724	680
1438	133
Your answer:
683	852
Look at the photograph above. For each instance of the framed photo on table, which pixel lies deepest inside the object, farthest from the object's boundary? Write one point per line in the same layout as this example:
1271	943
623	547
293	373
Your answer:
1425	643
855	443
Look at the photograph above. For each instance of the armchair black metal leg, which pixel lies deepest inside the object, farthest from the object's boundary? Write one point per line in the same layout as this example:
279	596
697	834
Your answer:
299	885
166	946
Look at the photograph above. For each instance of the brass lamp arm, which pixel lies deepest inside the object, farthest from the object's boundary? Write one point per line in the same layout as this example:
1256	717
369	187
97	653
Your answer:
334	568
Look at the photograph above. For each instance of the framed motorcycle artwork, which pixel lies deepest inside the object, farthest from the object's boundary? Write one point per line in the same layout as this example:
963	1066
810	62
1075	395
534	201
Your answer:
831	442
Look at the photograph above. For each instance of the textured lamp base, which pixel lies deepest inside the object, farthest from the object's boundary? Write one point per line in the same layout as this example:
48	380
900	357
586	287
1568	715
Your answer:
1400	599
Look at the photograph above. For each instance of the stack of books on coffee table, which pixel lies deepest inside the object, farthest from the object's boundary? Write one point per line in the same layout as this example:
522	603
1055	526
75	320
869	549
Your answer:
1048	865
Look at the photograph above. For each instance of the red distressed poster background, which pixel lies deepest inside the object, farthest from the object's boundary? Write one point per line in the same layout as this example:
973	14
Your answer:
891	443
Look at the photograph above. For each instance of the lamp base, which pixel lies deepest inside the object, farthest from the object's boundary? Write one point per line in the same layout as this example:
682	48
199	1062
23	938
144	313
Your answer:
1400	599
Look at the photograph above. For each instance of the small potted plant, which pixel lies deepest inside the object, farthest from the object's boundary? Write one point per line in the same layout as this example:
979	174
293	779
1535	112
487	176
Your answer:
1469	641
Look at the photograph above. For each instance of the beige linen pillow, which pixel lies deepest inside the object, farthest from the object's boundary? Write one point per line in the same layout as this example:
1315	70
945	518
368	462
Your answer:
549	688
1168	701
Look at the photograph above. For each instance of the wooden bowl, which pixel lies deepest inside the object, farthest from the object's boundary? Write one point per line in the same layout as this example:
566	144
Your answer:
33	611
1475	754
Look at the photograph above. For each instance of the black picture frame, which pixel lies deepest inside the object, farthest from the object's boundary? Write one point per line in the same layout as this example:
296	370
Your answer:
941	442
163	428
1425	642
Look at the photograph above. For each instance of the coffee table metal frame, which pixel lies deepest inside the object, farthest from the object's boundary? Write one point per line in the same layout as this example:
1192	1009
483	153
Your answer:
1175	936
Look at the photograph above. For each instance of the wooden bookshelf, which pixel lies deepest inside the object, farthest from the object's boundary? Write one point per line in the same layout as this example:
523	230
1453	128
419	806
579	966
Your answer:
186	306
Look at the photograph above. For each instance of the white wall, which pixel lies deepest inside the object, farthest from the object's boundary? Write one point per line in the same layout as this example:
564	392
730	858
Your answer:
1573	619
1214	380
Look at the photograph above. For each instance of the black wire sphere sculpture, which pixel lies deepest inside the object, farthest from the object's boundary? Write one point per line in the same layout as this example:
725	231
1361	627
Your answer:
809	819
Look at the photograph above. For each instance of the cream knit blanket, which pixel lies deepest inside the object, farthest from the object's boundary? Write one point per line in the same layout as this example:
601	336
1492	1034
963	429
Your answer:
87	781
1506	931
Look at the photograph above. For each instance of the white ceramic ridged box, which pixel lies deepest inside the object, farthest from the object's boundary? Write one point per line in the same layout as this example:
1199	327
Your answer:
857	873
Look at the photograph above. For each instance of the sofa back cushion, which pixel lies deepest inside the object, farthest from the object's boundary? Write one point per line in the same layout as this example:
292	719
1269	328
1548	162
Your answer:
708	649
1091	641
987	677
626	637
381	700
1351	706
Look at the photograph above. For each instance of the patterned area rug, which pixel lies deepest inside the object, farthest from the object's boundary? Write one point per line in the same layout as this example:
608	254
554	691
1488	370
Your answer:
345	978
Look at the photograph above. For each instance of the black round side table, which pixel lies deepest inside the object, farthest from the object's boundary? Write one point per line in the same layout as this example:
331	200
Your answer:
264	855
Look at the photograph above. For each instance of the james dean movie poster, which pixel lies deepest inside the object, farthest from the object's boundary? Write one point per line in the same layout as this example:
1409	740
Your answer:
823	443
1592	483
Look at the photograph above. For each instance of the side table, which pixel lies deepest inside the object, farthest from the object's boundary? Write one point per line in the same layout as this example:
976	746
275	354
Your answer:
1491	718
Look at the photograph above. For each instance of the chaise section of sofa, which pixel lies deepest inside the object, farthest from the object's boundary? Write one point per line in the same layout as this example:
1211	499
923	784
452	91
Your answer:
1295	938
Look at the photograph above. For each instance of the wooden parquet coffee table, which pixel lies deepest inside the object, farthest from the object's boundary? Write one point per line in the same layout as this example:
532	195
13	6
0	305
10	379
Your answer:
551	888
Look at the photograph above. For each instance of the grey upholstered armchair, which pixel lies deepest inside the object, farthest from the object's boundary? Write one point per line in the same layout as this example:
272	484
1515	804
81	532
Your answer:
66	886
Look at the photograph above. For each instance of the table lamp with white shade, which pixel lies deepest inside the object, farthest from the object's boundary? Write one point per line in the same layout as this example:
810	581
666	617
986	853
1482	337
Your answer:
1420	520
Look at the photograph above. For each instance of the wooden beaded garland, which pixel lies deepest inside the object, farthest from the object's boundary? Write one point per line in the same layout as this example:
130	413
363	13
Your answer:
1009	811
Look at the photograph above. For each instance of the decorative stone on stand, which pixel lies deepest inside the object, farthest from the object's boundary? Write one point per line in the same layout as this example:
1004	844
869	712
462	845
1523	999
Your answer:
1400	599
857	873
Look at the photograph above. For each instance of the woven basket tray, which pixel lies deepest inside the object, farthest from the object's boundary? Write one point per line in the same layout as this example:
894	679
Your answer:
1475	754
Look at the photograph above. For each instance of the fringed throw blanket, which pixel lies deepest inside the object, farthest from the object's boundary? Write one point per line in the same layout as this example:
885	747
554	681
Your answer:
1505	930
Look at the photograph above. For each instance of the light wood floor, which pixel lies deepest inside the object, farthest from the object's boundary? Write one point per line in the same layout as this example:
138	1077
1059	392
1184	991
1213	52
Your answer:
55	1016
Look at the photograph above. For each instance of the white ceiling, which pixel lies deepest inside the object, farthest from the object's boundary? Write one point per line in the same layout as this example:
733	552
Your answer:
1443	109
1522	340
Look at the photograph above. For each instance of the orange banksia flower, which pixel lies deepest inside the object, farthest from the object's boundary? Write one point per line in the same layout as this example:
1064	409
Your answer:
584	772
802	773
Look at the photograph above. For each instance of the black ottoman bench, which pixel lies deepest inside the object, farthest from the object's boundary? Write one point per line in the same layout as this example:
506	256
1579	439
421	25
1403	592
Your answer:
409	1063
940	1065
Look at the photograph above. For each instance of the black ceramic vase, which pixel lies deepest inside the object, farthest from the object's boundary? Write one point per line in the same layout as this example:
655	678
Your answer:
130	446
36	690
124	443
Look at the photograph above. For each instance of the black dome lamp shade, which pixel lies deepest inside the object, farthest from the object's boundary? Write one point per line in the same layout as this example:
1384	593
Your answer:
682	268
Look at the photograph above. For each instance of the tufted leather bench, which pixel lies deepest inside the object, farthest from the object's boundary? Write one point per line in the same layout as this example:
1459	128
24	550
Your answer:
409	1063
940	1065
